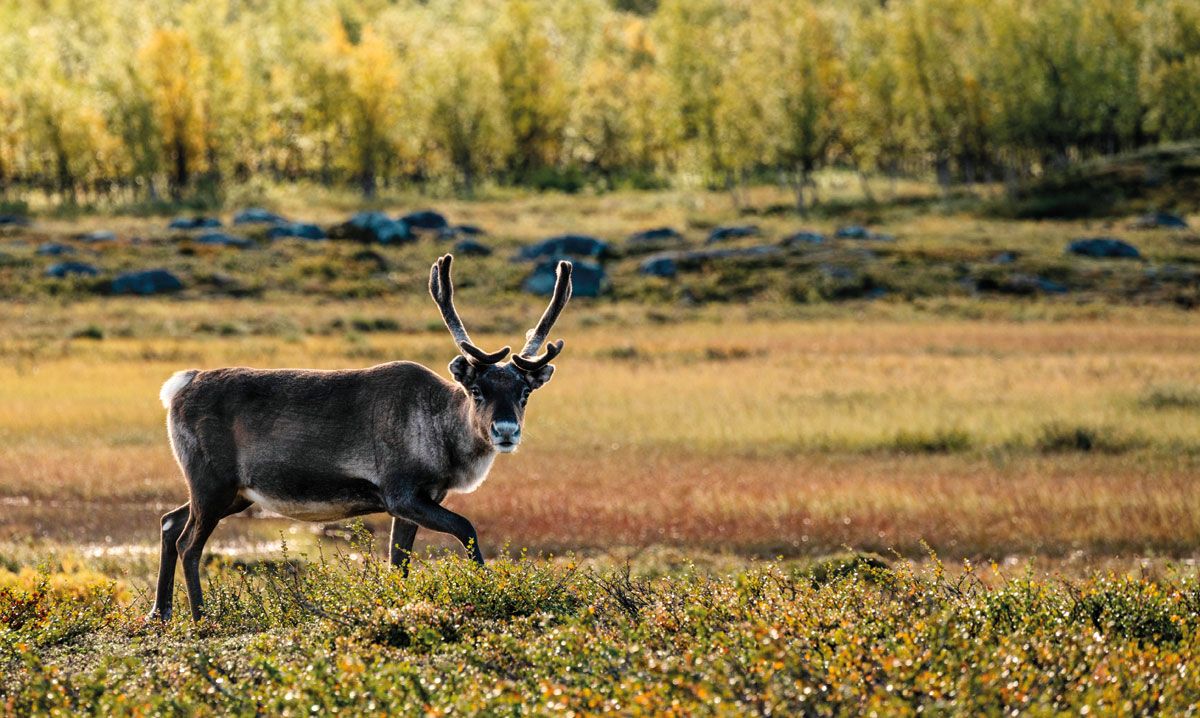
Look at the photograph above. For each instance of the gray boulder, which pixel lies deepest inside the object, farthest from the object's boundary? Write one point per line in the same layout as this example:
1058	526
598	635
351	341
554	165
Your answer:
194	223
425	219
375	227
472	248
658	235
588	279
13	220
668	264
799	239
221	239
470	230
296	229
724	234
257	215
567	245
151	281
1155	220
100	235
66	269
855	231
54	249
1103	248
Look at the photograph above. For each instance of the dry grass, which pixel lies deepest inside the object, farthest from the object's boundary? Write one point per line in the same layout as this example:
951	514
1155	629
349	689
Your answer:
787	437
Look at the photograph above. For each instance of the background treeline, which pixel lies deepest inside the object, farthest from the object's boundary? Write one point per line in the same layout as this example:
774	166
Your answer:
133	100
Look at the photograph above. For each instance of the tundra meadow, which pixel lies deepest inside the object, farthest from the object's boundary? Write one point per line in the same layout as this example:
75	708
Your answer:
880	392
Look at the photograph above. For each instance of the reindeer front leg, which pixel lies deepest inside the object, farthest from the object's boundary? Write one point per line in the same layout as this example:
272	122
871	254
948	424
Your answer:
404	532
423	511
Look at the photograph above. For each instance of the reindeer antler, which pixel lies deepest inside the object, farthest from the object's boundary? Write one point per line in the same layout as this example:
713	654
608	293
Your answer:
441	288
526	360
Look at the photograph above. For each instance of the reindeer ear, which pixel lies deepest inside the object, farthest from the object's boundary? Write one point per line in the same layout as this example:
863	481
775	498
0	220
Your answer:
538	377
464	371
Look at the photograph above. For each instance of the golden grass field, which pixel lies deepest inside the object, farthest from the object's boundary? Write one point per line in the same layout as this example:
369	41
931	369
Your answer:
720	431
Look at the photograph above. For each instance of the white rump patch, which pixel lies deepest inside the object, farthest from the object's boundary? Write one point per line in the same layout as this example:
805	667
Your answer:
174	385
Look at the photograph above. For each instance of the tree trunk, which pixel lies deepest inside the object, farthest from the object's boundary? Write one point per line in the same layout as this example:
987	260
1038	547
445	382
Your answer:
180	176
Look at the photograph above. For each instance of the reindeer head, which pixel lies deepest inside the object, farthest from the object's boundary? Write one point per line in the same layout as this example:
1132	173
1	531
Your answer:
499	390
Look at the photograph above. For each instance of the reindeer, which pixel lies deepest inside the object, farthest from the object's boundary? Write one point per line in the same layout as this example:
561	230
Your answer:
329	445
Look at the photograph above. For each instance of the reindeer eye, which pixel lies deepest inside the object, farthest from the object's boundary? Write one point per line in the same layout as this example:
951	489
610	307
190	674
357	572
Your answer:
477	393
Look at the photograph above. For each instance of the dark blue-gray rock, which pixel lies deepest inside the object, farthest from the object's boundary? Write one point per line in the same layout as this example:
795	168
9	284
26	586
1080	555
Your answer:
151	281
588	279
1005	258
1103	248
1021	285
257	215
194	223
567	245
66	269
660	265
296	229
724	234
855	231
470	230
100	235
668	264
13	220
658	235
54	249
425	219
471	248
221	239
1164	220
374	227
798	239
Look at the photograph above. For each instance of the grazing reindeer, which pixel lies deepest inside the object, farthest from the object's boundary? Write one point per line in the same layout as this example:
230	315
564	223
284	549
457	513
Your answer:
329	445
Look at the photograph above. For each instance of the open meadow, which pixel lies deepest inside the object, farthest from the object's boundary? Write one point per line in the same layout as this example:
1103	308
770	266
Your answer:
723	504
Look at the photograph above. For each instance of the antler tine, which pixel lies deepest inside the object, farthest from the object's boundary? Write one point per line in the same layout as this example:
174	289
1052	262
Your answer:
562	294
531	364
441	288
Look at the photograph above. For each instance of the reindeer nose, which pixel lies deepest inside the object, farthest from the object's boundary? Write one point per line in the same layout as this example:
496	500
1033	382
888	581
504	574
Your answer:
506	435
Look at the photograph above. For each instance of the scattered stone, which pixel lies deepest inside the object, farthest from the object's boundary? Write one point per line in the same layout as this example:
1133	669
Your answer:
658	235
425	219
567	245
1156	220
257	215
1005	258
66	269
802	238
855	231
1103	248
194	223
588	279
472	248
100	235
224	240
723	234
374	227
54	249
470	230
151	281
296	229
1022	285
13	220
668	264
